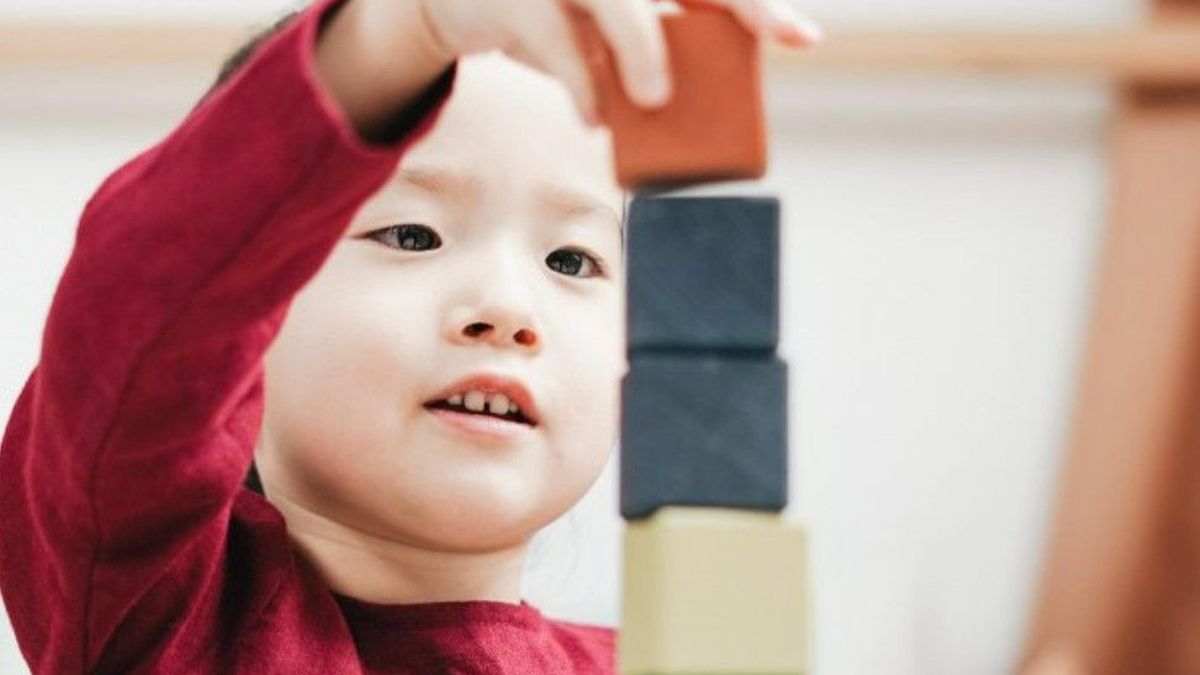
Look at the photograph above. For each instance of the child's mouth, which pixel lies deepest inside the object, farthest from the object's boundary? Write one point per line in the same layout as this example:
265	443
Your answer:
455	406
481	425
487	407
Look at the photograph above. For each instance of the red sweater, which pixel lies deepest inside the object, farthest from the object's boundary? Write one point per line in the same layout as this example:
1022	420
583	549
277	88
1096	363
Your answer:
128	543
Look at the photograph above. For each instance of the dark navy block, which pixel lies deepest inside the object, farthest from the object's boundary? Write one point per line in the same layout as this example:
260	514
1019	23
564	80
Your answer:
703	273
703	430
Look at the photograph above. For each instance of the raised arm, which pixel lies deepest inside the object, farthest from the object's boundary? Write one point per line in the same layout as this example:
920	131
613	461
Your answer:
131	438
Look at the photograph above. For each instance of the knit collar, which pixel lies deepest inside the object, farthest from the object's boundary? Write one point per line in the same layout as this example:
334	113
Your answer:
434	614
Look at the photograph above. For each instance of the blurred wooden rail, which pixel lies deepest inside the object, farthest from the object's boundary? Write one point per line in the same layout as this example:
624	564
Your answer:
1166	52
62	44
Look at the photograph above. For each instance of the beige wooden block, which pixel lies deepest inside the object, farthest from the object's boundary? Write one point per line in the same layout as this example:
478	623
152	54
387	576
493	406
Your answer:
711	591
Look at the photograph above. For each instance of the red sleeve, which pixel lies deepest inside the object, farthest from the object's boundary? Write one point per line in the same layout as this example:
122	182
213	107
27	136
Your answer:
130	441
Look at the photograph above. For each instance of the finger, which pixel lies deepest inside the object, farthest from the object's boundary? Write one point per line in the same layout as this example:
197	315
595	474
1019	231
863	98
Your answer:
586	108
793	28
552	49
633	30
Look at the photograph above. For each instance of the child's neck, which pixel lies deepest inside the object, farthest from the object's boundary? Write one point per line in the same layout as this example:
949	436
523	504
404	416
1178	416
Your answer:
363	566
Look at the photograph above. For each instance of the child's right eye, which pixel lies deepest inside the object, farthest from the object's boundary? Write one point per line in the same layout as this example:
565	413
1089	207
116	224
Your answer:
408	237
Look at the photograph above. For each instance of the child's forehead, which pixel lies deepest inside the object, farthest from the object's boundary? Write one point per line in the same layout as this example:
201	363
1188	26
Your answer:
505	122
494	93
498	78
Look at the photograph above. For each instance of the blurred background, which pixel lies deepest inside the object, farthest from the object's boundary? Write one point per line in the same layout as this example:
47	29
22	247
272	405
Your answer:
942	232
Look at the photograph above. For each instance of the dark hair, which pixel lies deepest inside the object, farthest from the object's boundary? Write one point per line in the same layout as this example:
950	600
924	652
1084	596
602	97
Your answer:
238	58
234	61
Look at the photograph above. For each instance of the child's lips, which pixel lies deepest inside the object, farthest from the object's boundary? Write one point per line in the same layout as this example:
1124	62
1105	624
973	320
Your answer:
493	383
482	427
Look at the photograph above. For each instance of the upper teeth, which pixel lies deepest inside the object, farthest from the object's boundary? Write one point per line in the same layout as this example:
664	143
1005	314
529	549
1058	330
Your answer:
476	401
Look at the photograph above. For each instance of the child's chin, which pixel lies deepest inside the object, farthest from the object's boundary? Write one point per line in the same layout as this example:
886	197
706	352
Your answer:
488	512
485	530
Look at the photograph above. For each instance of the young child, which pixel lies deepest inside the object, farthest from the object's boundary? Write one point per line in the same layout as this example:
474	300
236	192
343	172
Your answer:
413	329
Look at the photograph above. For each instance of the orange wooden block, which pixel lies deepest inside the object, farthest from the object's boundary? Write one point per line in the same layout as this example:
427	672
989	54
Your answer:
712	128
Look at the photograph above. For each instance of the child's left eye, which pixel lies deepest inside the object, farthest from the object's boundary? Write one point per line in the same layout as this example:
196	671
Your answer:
570	262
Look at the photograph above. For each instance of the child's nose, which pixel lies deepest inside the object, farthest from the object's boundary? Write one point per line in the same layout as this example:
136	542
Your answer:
493	306
484	330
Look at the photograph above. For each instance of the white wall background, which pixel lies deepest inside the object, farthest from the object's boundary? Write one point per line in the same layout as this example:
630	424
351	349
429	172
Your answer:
940	238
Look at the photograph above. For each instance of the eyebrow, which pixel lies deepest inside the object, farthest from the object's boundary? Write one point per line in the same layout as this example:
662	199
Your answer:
567	202
441	181
563	201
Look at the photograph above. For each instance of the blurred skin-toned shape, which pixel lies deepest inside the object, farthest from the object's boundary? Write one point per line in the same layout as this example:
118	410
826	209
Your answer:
1120	592
1056	663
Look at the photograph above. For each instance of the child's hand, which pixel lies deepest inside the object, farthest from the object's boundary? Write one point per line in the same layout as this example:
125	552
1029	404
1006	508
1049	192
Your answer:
539	33
377	56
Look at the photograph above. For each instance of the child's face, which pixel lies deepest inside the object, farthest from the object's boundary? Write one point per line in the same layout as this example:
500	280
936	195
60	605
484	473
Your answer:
508	177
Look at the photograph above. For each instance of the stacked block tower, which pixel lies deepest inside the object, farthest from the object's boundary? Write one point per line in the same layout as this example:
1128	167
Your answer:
715	581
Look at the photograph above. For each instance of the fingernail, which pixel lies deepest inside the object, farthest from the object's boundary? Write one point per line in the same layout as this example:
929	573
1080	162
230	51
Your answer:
802	25
811	29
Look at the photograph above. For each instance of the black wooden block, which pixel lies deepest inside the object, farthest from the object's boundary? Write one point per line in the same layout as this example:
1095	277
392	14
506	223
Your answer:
703	430
703	273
